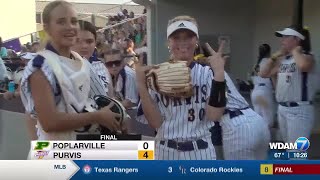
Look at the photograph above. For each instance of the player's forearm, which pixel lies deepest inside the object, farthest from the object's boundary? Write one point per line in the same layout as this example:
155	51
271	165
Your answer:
31	125
59	121
265	71
49	117
219	76
149	108
127	104
217	99
304	62
213	113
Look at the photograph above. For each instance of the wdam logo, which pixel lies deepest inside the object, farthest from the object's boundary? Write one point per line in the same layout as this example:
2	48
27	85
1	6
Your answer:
301	144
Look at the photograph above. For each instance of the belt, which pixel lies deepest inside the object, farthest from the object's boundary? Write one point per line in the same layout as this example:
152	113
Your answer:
294	104
261	84
185	146
234	113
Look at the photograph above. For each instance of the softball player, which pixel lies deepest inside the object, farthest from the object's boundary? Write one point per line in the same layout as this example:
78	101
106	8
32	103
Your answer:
262	94
85	46
123	78
295	68
245	135
183	124
237	127
55	85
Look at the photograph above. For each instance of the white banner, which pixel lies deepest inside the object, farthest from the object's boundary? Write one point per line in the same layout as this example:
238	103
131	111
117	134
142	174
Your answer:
92	145
85	155
50	170
92	150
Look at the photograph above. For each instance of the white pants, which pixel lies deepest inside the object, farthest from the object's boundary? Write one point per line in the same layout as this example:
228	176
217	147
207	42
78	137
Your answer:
295	122
245	137
163	152
263	104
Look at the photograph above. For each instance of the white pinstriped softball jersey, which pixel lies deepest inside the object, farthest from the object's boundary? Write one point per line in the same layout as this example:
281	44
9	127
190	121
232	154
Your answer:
39	63
102	72
295	86
126	86
184	119
244	136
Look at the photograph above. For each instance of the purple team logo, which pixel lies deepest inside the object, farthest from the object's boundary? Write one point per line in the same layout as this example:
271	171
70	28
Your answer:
86	169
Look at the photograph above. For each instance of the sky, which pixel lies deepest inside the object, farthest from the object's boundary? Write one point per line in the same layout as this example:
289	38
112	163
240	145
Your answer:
97	1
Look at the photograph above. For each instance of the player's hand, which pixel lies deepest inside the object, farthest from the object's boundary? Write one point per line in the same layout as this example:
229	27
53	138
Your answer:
297	50
141	71
124	126
276	56
216	59
108	119
8	95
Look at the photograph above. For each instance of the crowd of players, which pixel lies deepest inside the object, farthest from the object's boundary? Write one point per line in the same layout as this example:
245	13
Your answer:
185	128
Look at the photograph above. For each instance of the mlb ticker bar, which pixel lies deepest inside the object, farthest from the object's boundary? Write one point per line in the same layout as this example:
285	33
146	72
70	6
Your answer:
114	169
92	150
290	169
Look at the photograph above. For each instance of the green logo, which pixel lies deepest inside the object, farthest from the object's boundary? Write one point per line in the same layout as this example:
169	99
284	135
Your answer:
41	145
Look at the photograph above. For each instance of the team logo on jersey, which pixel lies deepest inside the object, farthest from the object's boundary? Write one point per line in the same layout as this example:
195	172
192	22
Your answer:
104	80
287	68
198	97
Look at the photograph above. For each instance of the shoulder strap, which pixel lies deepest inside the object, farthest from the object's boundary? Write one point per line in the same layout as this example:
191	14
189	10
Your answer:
53	61
124	78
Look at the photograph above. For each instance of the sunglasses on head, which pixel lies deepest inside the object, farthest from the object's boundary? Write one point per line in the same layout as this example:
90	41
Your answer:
115	63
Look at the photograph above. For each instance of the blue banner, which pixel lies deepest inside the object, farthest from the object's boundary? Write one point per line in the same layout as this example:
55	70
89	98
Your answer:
185	169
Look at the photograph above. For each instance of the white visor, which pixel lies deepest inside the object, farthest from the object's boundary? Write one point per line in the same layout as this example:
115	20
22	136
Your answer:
182	25
289	32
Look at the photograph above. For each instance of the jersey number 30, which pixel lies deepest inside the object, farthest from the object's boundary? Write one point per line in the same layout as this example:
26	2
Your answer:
192	114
